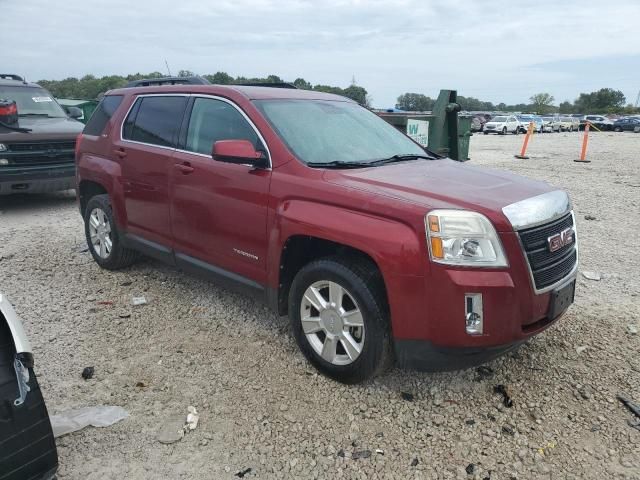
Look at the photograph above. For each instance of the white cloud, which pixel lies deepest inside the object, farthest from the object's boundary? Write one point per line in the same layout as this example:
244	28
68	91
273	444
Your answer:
497	51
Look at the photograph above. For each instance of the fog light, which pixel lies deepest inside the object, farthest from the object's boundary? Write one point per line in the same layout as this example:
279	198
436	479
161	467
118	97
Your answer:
3	147
473	313
4	161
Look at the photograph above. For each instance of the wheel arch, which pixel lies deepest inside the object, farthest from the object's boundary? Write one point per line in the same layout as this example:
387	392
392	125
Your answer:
88	189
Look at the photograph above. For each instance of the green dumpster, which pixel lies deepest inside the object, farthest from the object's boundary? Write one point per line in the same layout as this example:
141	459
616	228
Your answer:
87	106
443	130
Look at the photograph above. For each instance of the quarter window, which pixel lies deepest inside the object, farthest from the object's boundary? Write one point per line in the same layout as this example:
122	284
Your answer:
155	120
102	114
212	120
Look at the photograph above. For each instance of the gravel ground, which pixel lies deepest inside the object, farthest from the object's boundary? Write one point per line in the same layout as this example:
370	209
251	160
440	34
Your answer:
262	407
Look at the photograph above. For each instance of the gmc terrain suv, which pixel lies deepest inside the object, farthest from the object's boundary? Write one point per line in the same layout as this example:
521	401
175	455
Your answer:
373	246
37	139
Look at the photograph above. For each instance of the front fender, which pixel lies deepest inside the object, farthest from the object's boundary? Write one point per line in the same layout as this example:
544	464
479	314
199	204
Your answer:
394	246
20	340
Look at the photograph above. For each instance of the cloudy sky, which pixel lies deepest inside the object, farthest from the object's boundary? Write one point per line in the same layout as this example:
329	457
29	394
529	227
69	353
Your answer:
497	51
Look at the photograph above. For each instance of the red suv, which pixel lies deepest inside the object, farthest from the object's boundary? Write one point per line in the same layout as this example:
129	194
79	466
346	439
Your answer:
374	247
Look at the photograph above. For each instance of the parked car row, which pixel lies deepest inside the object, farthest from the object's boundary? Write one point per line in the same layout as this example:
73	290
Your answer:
519	123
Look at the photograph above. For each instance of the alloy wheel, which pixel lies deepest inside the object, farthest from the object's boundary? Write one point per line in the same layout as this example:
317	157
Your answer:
100	233
332	322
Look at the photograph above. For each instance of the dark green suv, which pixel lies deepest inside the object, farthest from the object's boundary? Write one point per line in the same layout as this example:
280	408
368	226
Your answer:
37	152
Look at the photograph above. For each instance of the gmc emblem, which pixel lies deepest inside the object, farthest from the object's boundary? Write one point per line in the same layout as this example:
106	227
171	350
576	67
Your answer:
559	240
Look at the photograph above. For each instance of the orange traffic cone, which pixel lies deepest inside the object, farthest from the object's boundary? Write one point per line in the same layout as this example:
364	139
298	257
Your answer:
525	143
585	141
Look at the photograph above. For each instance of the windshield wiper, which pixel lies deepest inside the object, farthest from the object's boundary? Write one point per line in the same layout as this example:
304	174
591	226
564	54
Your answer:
338	164
37	115
401	158
14	128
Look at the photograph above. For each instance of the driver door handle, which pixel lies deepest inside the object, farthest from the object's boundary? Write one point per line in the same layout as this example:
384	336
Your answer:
184	167
120	152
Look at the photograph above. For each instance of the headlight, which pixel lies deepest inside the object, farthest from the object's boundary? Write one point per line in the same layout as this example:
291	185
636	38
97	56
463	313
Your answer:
461	237
3	147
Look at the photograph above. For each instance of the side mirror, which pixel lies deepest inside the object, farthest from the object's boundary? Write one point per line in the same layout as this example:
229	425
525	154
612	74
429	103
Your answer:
239	152
74	112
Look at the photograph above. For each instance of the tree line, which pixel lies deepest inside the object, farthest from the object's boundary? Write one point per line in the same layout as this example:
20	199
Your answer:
605	100
90	87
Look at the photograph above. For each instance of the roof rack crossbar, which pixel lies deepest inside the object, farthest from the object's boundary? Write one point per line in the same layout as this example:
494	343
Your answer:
11	76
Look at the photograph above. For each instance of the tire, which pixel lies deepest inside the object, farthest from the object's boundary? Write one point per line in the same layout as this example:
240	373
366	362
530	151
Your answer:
516	131
363	290
504	131
617	129
486	133
28	447
116	256
570	129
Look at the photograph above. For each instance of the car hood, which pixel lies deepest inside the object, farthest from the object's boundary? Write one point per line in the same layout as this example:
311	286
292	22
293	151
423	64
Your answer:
43	129
444	184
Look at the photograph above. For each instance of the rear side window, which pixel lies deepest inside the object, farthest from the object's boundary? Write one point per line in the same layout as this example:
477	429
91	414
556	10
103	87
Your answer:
212	120
102	114
155	120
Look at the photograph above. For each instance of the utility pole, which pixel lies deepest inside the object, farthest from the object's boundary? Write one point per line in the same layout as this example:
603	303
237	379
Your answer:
167	64
637	100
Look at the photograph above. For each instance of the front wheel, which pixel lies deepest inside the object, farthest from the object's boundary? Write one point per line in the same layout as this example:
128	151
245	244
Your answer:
103	238
617	129
504	131
340	318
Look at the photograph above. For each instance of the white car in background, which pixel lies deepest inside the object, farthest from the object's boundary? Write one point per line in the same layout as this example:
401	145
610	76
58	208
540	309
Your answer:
551	124
502	124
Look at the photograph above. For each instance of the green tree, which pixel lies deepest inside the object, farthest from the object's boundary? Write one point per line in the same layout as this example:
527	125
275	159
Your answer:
220	78
605	100
542	102
302	84
566	107
415	102
356	93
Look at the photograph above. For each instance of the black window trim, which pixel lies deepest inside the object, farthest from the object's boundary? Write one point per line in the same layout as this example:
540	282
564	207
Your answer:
185	122
137	100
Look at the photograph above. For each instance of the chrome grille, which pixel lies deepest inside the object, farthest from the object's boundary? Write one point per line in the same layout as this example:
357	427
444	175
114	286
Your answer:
548	268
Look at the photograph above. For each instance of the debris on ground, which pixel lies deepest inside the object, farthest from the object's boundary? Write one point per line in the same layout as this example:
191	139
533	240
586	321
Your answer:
508	430
407	396
192	418
632	329
105	302
341	453
74	420
506	398
633	408
87	372
172	430
379	451
589	217
483	372
581	349
126	284
414	462
242	473
470	469
124	315
361	454
595	276
136	301
141	385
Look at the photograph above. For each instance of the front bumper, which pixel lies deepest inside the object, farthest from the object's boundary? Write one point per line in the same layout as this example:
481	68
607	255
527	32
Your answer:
37	179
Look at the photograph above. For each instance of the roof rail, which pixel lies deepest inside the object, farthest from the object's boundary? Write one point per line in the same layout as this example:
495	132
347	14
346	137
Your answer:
267	84
11	76
152	82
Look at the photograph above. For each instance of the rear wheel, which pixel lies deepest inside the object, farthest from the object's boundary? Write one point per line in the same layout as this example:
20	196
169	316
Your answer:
103	238
339	318
504	131
617	129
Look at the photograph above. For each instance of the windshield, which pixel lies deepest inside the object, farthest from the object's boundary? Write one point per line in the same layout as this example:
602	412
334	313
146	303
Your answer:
323	131
32	101
499	119
547	119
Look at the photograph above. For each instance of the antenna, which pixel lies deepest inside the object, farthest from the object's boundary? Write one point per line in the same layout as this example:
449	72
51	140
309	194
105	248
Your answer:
167	64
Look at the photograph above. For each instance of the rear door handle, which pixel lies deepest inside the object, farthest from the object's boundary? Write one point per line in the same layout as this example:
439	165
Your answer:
185	168
120	152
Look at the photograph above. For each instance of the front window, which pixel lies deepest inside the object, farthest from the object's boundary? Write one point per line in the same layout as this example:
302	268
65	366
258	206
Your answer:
324	131
32	101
